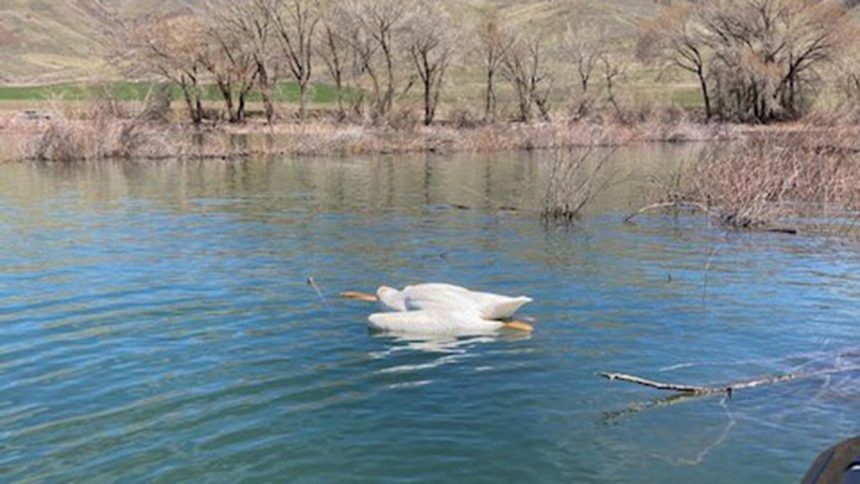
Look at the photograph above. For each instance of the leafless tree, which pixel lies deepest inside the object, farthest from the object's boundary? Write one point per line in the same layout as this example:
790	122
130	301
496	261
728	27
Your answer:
523	67
584	45
677	38
431	39
253	22
377	23
230	61
612	69
295	22
755	60
170	47
334	49
495	41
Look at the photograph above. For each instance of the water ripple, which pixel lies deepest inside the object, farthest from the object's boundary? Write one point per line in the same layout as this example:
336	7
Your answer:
155	325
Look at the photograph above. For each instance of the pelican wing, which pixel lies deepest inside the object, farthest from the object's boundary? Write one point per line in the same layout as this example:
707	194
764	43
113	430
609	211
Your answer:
447	296
438	297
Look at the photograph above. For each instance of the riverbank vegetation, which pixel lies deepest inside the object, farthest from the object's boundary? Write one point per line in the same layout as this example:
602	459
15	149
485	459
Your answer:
783	182
313	77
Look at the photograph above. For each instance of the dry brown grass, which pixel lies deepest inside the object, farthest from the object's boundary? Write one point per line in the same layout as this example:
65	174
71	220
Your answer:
107	130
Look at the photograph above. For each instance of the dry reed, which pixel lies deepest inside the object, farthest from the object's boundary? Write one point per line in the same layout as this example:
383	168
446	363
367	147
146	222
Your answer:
765	181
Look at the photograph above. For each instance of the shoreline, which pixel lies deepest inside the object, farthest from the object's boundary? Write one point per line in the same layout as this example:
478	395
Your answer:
70	140
52	137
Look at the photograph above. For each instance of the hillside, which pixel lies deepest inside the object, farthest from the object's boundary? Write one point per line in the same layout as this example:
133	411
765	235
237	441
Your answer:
47	41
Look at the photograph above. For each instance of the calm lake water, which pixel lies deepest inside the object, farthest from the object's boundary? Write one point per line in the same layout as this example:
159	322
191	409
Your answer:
155	323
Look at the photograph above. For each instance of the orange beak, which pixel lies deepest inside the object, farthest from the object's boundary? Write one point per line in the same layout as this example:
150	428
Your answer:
359	296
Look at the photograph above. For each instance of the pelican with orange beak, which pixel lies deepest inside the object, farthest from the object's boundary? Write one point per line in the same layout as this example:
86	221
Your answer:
436	308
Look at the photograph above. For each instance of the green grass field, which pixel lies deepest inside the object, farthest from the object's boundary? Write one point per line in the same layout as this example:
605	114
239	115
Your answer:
137	91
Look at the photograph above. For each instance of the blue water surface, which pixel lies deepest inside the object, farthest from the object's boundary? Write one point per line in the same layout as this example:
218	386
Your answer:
156	324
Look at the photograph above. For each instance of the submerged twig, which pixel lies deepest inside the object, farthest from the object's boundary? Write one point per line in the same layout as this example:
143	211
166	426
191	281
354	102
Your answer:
313	284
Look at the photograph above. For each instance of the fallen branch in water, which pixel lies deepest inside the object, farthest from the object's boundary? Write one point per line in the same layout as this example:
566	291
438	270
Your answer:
726	220
723	389
676	204
658	385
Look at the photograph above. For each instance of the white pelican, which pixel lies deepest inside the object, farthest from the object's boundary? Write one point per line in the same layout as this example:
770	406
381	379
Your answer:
441	309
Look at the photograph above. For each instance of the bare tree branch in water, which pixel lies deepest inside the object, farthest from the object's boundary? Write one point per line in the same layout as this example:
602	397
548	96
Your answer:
729	388
844	362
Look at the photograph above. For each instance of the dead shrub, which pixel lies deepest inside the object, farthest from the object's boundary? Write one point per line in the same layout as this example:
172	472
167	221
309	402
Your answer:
102	129
765	181
576	177
762	180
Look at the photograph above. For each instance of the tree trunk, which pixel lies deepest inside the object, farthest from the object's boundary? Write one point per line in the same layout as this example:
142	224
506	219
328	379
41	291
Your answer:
525	105
268	107
266	93
240	110
227	94
190	105
428	101
705	95
388	102
198	110
338	86
490	108
303	93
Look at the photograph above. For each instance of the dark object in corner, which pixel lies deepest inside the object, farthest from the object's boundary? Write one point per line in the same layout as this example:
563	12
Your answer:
839	464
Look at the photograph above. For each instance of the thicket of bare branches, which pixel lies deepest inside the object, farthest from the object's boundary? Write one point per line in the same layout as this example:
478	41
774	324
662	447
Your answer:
575	178
763	182
106	132
755	60
584	44
253	24
760	181
231	63
295	23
